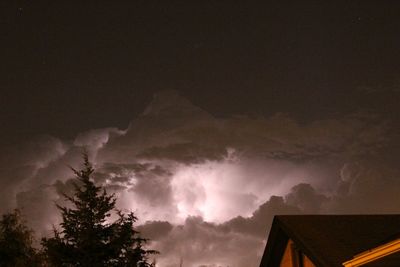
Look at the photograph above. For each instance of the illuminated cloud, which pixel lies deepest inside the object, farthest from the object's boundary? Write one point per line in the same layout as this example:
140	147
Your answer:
200	243
206	189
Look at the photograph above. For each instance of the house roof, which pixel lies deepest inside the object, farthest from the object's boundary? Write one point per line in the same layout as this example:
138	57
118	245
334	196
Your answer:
329	240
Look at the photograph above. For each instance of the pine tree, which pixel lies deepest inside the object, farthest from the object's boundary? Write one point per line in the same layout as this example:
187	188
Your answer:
16	242
87	238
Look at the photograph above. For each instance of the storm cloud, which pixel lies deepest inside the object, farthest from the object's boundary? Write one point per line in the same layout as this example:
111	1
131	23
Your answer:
205	189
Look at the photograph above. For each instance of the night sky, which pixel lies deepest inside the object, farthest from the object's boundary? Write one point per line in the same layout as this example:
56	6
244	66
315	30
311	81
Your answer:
96	65
205	118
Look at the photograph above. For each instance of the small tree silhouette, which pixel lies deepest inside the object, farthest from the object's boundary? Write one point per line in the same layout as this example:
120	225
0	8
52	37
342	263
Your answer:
16	240
86	238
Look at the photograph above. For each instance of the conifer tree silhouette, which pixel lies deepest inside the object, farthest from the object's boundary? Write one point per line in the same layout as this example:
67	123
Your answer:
87	237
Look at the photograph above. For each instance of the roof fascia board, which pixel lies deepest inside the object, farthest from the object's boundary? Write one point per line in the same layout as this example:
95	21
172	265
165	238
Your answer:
374	254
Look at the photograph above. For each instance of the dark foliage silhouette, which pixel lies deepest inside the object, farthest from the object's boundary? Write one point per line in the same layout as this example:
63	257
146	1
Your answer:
16	249
88	238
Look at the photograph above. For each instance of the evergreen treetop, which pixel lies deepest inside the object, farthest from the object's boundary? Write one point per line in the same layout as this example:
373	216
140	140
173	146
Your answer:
87	237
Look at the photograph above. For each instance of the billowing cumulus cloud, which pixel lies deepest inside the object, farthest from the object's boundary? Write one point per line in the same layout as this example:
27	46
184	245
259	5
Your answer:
200	243
20	165
205	189
367	187
305	198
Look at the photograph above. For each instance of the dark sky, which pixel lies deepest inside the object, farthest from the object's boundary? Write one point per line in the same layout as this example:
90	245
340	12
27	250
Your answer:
69	67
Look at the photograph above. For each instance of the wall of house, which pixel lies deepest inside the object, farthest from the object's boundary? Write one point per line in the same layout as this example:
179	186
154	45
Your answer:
294	258
287	258
307	262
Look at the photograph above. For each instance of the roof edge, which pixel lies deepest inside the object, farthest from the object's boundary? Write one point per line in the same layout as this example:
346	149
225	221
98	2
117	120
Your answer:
374	254
318	261
275	246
